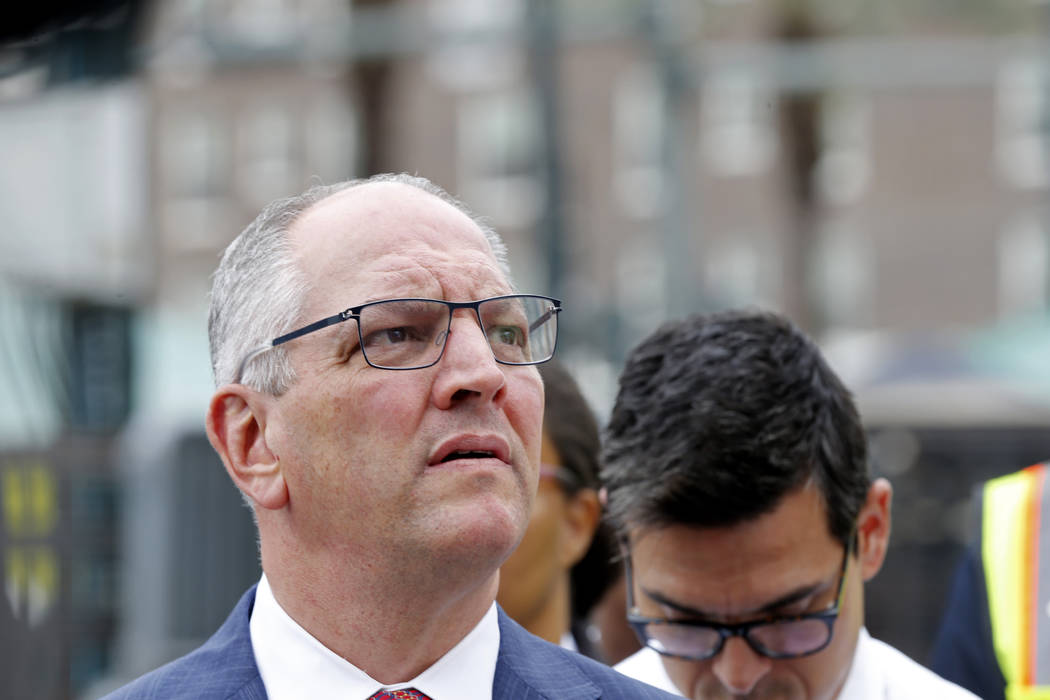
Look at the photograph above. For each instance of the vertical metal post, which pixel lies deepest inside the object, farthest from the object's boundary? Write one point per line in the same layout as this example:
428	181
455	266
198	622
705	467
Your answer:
681	228
543	55
1045	124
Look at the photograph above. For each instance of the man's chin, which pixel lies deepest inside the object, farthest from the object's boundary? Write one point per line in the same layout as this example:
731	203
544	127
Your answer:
767	689
486	531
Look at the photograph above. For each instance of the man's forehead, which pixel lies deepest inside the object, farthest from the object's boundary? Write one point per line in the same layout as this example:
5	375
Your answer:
365	207
722	548
393	240
728	571
387	220
796	529
797	519
373	197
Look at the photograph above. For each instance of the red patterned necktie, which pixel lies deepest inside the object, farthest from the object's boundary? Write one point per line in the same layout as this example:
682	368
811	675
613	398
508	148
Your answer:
404	694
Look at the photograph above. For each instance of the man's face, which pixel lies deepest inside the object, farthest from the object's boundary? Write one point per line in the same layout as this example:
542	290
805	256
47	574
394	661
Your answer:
781	564
434	466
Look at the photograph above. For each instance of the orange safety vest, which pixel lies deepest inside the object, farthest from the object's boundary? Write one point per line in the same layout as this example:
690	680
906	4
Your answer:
1015	550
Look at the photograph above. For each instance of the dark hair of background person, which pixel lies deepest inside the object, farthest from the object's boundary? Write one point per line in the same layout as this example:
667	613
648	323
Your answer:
571	426
728	413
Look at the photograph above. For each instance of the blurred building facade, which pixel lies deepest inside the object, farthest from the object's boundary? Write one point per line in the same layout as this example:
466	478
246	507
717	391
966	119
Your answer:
863	167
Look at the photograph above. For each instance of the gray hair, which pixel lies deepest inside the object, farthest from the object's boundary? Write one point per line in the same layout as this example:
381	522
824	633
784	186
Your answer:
258	289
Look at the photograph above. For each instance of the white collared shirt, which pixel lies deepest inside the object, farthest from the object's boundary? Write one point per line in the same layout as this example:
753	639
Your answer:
878	672
294	665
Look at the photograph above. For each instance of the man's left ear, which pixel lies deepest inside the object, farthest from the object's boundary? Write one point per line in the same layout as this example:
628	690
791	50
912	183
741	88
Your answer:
873	528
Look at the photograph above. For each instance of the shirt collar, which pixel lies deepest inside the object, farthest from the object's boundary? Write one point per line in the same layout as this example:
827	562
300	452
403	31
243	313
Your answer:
861	682
293	664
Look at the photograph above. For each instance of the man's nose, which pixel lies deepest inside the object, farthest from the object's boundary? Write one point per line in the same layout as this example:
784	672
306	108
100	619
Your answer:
738	667
467	367
466	340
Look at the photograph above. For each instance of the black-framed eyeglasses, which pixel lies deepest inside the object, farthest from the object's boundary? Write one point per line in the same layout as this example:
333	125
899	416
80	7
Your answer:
776	637
400	334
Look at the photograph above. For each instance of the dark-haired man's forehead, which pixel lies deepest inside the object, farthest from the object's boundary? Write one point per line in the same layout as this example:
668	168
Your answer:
799	593
648	519
783	560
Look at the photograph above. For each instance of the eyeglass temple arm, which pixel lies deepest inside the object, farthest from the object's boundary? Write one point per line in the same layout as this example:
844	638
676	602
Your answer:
562	475
323	323
544	318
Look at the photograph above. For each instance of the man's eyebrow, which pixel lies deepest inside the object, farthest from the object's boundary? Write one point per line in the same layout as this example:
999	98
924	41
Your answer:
793	596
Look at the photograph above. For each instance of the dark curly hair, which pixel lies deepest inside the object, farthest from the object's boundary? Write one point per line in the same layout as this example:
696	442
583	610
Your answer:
719	416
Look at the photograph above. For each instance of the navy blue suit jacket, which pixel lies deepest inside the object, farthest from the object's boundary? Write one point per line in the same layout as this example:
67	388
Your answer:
528	668
964	649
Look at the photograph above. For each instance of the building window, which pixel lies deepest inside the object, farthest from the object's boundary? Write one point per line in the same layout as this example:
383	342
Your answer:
641	284
733	270
498	153
331	140
1021	115
738	130
843	170
195	154
638	120
467	57
842	283
196	166
1023	260
268	166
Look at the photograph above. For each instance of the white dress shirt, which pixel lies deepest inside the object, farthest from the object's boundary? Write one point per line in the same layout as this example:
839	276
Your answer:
294	665
878	672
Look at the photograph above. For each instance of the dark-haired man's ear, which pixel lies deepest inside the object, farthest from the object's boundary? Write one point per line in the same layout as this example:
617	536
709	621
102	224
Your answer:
236	429
873	528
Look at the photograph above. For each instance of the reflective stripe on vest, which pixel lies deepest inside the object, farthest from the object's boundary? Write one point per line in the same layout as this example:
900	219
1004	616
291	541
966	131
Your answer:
1015	549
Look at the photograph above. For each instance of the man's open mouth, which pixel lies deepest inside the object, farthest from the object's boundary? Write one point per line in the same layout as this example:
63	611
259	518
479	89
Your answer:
467	454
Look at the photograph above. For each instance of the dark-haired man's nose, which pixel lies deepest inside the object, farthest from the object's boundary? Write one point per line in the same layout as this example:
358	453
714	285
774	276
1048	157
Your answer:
738	667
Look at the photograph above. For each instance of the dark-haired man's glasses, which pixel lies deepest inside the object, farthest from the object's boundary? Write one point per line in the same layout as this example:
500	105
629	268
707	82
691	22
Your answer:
776	637
522	329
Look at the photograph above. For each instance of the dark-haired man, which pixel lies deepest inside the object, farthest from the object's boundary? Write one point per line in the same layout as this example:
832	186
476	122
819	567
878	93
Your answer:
735	469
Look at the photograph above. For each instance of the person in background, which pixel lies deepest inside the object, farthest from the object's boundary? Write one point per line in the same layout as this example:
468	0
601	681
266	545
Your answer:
606	623
736	475
995	635
565	562
379	408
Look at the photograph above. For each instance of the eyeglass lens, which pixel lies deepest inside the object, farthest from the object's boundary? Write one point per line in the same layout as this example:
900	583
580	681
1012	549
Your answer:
406	333
789	638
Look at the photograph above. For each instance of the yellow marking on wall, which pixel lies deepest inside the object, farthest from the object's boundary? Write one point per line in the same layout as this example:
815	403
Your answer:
30	512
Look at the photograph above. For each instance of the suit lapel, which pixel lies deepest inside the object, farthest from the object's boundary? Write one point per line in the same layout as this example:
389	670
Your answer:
254	690
226	663
529	668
